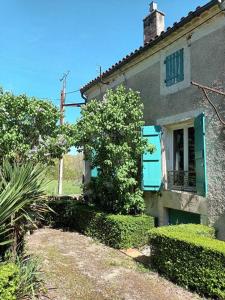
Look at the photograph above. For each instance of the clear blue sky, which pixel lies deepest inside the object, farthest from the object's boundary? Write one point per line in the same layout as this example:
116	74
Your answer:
41	39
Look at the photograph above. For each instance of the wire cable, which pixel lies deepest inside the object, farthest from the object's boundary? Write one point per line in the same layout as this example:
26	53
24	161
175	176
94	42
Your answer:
76	91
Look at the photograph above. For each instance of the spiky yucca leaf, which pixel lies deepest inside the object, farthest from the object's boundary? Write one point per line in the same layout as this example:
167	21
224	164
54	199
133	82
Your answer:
21	187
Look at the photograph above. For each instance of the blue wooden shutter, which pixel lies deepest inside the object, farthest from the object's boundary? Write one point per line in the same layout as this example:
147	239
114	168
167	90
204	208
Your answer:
151	163
174	67
166	62
94	171
173	74
180	72
200	155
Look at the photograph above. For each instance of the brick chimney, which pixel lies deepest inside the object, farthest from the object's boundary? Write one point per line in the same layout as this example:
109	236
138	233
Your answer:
154	23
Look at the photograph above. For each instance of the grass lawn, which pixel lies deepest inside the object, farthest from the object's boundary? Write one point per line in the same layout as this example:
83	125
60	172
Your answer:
69	187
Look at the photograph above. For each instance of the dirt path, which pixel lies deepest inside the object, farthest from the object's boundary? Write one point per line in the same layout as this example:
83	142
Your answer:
76	267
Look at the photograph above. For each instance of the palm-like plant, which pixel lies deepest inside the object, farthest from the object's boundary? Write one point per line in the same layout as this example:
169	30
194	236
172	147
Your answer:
22	200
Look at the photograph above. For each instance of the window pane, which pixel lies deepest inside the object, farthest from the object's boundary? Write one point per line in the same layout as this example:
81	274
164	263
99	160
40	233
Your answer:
178	146
191	156
183	174
191	149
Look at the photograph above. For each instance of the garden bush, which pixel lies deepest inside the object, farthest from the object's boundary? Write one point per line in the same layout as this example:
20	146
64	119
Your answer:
21	279
190	256
118	231
9	280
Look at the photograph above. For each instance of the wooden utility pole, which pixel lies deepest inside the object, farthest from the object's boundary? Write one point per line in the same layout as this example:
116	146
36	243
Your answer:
62	102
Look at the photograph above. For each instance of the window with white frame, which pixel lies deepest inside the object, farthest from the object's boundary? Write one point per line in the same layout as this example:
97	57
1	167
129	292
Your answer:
181	174
179	159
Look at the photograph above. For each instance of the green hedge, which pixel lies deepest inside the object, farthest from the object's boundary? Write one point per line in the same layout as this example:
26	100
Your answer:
190	256
9	281
117	231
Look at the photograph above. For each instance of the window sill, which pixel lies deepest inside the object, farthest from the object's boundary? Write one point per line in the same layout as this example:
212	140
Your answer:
183	189
177	195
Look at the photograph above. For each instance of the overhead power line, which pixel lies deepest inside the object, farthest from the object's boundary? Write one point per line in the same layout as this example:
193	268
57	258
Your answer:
54	99
76	91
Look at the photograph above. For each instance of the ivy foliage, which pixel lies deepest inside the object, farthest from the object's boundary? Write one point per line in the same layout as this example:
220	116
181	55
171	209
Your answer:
29	129
190	256
109	132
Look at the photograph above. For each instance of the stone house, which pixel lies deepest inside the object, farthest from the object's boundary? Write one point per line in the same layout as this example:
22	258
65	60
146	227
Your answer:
183	181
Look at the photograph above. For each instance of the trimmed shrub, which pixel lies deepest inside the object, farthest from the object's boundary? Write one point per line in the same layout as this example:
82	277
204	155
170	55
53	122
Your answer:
118	231
190	256
9	280
71	214
121	231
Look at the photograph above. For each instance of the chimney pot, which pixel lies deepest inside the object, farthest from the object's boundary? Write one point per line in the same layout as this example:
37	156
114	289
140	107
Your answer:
153	6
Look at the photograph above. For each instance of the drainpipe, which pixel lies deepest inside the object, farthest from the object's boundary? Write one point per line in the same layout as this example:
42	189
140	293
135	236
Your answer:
83	176
84	97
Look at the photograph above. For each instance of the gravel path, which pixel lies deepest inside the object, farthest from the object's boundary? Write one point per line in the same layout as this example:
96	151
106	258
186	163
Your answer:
77	267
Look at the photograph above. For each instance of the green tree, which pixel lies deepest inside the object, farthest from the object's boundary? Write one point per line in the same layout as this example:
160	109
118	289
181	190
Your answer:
29	130
109	132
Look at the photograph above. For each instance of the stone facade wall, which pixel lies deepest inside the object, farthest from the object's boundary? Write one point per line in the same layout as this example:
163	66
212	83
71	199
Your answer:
206	65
